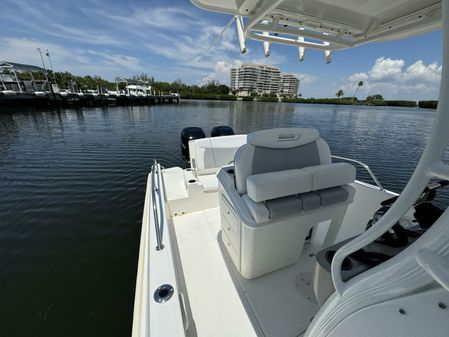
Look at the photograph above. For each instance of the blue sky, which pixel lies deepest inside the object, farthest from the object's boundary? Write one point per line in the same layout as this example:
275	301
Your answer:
168	39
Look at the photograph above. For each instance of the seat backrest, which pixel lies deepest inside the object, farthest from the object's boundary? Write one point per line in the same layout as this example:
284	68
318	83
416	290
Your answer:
277	150
207	155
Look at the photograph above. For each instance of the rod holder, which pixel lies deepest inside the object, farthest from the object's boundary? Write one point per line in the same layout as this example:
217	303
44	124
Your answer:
328	56
240	33
301	50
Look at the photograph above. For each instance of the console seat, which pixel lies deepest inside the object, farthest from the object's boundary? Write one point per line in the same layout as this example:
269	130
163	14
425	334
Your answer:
284	184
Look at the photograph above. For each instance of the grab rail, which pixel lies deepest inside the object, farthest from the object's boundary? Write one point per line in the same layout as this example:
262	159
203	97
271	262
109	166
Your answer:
155	190
366	167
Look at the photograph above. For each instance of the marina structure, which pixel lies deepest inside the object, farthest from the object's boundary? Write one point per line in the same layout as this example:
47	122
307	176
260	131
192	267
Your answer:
10	81
15	92
261	79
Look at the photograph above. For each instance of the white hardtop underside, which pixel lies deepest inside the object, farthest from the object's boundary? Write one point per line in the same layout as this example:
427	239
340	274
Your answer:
350	21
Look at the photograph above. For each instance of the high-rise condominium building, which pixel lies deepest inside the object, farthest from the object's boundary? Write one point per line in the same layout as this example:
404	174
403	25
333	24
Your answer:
263	79
258	78
290	85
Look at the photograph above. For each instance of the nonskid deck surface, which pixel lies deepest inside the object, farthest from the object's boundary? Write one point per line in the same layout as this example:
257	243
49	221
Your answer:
216	307
223	303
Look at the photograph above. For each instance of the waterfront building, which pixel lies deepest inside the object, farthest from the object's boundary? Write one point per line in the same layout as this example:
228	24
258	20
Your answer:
262	79
255	78
289	85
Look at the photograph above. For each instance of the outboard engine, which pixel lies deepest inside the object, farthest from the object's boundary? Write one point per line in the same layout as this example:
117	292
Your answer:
223	130
187	134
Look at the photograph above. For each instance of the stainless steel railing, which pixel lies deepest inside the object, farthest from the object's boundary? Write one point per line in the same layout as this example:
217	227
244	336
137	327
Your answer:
362	164
155	190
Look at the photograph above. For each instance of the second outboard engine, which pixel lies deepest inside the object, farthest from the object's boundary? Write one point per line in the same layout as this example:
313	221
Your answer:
223	130
187	134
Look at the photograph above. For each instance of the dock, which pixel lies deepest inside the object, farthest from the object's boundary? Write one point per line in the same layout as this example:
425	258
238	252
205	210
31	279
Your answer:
35	93
10	99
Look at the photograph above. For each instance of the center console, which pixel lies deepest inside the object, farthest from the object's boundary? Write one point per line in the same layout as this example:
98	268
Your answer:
398	238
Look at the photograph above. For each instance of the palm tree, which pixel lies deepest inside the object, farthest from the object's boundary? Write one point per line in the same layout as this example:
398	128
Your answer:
339	93
358	87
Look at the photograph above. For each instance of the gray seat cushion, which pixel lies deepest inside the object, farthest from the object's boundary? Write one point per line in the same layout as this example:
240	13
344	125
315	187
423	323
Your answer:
331	175
258	210
263	212
273	185
284	207
333	195
309	200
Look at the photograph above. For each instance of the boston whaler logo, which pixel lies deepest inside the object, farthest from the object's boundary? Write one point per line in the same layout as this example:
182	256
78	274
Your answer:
288	137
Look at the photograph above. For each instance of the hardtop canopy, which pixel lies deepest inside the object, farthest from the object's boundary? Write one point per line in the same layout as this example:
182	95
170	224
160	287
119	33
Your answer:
328	24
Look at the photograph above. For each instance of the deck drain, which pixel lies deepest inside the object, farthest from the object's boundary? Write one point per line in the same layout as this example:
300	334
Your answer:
163	293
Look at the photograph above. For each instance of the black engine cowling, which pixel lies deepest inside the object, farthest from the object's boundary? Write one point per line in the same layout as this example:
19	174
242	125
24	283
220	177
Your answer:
187	134
222	130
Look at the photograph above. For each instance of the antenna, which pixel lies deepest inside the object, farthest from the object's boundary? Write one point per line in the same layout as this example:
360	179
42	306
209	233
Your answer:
43	64
218	37
51	64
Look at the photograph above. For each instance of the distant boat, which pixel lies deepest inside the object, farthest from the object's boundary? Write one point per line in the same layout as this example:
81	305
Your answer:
138	90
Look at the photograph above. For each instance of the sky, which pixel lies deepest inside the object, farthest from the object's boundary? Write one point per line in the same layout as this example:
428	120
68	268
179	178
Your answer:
168	39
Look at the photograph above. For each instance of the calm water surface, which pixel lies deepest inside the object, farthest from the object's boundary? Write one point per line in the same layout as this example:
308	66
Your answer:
72	185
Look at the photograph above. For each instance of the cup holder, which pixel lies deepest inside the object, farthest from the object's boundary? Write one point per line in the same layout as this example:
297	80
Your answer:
230	171
192	181
346	265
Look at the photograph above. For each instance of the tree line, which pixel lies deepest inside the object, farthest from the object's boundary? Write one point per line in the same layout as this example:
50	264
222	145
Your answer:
210	90
66	80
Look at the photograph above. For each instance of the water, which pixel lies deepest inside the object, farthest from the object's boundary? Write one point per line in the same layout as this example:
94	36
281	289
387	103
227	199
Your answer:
72	185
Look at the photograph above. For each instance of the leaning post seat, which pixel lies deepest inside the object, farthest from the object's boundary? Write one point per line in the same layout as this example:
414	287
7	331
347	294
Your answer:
283	184
207	155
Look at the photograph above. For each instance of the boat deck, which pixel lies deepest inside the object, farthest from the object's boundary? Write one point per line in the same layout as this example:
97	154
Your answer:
223	303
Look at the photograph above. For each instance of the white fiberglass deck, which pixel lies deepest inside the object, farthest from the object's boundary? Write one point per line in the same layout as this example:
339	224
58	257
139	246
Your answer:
213	298
223	303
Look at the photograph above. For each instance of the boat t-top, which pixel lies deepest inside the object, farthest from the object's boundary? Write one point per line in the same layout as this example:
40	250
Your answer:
271	234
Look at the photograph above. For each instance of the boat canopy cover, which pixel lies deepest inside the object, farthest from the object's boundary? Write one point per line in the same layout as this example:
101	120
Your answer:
20	66
330	24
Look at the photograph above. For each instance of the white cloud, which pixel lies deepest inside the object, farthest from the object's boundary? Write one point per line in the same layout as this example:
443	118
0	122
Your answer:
357	77
77	61
418	71
155	32
48	19
306	78
139	19
190	52
221	71
193	50
386	68
388	78
117	60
